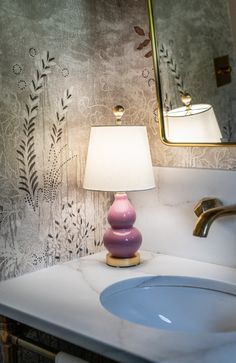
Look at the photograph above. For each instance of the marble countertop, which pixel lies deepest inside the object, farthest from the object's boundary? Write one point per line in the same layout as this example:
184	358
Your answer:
63	300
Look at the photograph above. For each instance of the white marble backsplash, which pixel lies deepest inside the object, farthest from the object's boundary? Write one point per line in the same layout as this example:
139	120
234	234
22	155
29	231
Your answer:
166	219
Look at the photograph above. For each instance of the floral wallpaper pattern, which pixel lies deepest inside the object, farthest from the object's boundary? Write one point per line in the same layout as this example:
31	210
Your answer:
73	62
64	65
187	56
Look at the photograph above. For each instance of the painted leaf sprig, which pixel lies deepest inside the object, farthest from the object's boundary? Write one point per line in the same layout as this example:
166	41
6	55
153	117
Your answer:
56	132
26	152
52	176
169	60
56	157
228	130
145	42
70	234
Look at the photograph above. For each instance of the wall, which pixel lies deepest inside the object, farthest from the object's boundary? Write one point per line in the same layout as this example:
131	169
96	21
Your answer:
187	56
165	215
64	65
232	10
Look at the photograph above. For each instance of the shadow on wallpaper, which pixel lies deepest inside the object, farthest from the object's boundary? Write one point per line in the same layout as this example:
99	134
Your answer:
72	63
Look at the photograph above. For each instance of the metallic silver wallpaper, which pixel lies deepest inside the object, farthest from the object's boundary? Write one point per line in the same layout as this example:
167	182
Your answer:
64	65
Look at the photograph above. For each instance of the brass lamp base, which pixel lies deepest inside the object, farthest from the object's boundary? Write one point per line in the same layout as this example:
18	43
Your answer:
123	262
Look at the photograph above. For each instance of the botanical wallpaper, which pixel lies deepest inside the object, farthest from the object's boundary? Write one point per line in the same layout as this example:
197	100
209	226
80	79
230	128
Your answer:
187	56
64	66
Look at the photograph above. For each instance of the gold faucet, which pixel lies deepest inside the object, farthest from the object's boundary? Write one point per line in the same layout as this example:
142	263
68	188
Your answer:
207	210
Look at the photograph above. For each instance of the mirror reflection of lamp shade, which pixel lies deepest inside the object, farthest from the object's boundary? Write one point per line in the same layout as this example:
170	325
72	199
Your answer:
199	124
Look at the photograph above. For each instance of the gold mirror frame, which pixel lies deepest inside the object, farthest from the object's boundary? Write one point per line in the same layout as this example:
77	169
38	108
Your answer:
154	43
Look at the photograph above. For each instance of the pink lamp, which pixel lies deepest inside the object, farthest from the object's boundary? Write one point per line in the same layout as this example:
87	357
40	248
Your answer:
119	160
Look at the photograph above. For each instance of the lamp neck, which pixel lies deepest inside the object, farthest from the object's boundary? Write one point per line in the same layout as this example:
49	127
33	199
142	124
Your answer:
120	195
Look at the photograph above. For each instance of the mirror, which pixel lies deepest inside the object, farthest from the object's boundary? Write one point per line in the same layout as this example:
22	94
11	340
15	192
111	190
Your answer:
194	55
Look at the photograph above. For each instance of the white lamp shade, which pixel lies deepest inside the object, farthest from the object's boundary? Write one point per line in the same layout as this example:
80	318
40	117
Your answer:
118	159
197	125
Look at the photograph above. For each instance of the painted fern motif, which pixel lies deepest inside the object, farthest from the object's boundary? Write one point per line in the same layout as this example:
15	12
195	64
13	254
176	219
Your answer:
168	59
164	54
56	132
56	159
52	177
167	103
26	152
71	235
227	131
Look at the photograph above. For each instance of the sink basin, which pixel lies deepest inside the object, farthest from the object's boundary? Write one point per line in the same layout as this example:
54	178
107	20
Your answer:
174	303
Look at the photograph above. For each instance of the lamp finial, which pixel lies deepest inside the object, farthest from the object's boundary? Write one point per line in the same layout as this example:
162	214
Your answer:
187	99
118	112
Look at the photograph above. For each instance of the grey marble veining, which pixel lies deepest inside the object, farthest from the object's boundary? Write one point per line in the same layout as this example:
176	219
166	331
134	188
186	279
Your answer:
166	218
64	301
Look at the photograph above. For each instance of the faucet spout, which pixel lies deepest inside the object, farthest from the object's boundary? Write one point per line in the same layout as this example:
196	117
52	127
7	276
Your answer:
207	216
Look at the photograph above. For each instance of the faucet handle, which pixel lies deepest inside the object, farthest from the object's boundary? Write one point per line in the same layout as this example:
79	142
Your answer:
206	203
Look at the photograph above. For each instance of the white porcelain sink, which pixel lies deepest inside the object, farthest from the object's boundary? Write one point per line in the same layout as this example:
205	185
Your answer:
174	303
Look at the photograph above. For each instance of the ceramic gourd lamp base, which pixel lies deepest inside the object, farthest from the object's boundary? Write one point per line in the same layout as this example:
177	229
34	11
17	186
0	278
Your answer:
119	159
122	240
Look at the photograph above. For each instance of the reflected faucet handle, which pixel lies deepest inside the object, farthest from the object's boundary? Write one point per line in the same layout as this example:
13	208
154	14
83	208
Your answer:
206	203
